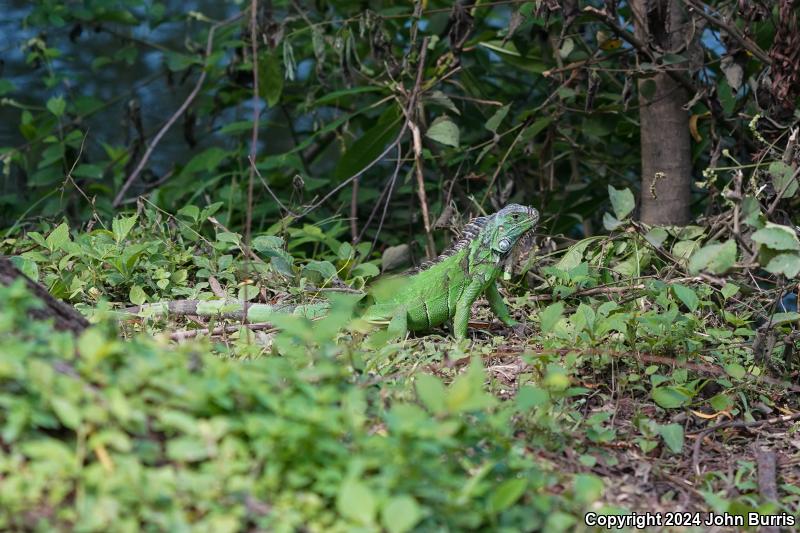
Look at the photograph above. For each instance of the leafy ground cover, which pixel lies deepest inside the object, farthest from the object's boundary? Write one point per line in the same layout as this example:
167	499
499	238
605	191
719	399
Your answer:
634	347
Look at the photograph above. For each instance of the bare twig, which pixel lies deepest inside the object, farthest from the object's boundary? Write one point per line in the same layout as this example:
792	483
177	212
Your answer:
733	31
354	212
175	116
248	223
271	193
256	115
219	330
416	138
702	434
584	292
346	182
637	43
248	251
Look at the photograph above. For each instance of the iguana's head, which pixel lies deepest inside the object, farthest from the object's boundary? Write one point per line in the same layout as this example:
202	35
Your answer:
507	225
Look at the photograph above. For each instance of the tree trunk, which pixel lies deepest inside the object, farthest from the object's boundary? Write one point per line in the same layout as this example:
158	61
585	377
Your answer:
665	143
65	317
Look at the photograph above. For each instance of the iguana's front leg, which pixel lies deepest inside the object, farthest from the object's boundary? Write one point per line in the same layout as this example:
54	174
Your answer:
463	306
398	325
498	306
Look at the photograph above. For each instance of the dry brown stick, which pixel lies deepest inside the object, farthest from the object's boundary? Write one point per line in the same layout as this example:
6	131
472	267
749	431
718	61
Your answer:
766	461
585	292
416	138
181	110
254	134
219	330
354	212
248	223
702	434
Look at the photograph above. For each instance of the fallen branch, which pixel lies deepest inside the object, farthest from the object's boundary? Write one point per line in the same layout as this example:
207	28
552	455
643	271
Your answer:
577	294
219	330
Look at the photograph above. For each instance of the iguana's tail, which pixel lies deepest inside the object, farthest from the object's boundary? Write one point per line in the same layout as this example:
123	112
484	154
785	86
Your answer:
228	309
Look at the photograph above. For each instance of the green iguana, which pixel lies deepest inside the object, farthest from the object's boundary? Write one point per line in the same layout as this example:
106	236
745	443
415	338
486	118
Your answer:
437	291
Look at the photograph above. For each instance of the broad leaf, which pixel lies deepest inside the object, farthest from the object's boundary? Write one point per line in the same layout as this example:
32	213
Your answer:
370	145
777	237
686	295
716	258
622	201
495	120
444	131
673	436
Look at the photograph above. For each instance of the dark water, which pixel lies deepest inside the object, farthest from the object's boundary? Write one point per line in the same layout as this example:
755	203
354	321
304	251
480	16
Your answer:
115	84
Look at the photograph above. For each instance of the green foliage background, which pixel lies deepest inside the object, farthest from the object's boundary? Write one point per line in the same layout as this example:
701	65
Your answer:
328	428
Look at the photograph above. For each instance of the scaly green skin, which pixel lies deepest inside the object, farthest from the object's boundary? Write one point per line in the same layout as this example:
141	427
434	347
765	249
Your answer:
442	290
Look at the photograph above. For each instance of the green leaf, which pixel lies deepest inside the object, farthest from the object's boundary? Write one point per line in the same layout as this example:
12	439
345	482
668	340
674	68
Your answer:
438	97
534	129
69	415
466	393
587	488
610	222
728	290
550	316
320	270
735	370
356	502
400	514
656	237
716	258
622	201
495	120
506	494
365	270
686	295
444	131
88	171
671	59
777	237
783	177
187	449
207	160
345	251
673	436
58	238
228	237
787	264
121	226
670	397
529	397
56	105
432	393
779	319
720	402
192	212
137	295
370	145
270	77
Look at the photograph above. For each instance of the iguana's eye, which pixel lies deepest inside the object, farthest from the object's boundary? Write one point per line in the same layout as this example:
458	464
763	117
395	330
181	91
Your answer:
504	245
